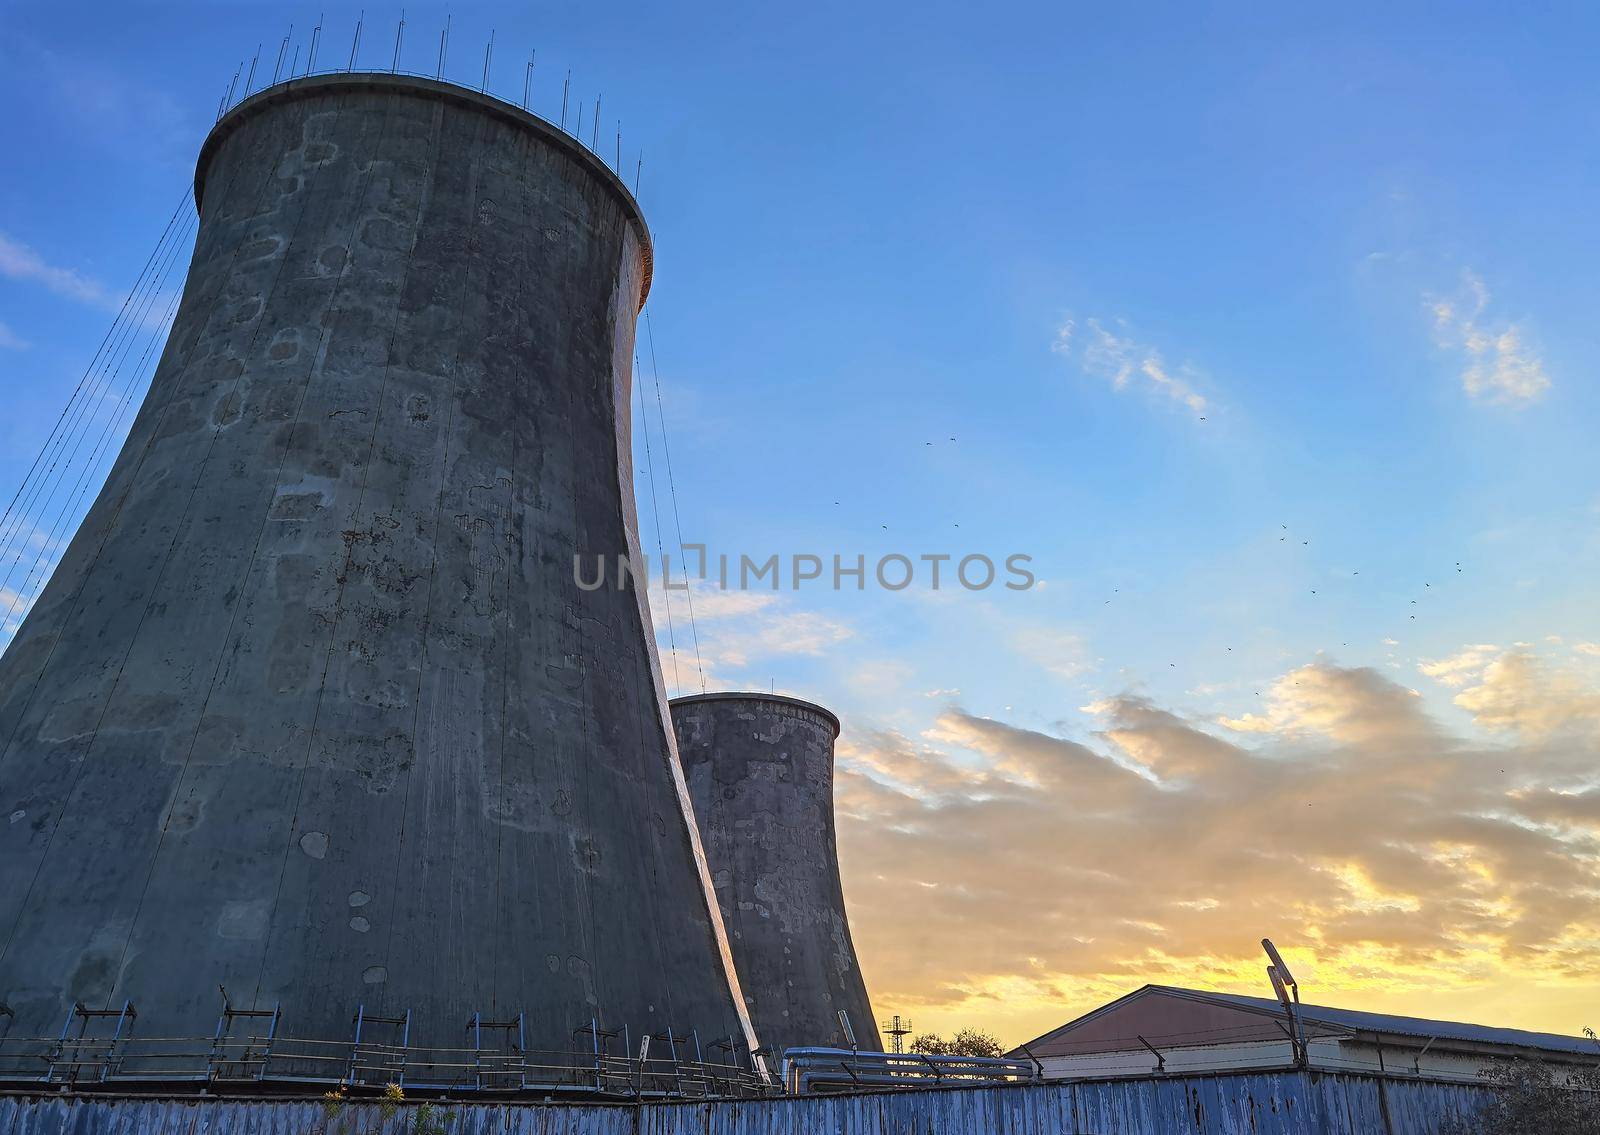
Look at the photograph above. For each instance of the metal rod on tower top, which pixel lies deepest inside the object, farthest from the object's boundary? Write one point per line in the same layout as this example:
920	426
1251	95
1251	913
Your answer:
231	86
566	85
637	170
399	33
444	43
594	136
356	43
488	54
251	78
282	47
316	38
527	77
618	166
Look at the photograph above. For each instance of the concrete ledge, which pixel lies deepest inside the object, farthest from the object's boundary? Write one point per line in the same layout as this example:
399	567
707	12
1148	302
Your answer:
418	87
780	699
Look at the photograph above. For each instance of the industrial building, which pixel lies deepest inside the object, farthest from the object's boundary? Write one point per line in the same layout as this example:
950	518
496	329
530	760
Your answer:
760	773
1171	1031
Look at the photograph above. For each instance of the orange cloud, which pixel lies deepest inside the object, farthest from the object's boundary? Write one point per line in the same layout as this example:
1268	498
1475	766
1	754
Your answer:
1010	878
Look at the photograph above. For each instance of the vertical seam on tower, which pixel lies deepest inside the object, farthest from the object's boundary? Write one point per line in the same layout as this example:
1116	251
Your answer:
344	575
512	562
433	567
581	802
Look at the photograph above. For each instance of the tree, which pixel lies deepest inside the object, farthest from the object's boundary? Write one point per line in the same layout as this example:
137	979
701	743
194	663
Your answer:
1535	1099
966	1042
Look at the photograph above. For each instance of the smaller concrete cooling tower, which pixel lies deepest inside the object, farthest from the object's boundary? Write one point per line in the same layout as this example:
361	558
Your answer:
760	773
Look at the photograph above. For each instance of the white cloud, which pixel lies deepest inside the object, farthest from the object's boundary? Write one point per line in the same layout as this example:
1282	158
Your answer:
10	340
736	628
1500	367
1123	360
1462	667
19	262
1062	653
1522	692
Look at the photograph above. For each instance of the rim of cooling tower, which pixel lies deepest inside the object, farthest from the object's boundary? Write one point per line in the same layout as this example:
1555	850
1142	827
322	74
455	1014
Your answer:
548	132
781	699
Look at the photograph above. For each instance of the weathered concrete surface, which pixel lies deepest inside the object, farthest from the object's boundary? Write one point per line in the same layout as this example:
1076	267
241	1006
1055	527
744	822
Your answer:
760	771
312	707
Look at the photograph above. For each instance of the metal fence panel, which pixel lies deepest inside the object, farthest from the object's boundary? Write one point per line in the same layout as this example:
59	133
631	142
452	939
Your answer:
1260	1103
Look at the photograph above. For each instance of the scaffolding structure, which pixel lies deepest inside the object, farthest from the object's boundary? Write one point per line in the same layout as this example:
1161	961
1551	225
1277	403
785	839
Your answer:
250	1053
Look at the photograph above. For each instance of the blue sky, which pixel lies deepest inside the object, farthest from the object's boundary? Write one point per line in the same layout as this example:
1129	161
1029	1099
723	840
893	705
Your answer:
1249	329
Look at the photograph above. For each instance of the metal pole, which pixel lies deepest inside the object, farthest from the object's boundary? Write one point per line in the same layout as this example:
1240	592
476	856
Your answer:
1300	1030
444	42
399	33
316	38
488	53
282	47
361	19
594	137
527	78
251	78
566	85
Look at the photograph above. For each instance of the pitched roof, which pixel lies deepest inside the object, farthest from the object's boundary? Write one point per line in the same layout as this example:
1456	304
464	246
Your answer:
1350	1020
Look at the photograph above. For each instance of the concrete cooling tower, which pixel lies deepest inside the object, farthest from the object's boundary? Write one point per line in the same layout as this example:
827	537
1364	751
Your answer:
760	771
313	708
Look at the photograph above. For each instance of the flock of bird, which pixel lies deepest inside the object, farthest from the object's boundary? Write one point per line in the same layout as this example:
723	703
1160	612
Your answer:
1284	538
885	527
1427	586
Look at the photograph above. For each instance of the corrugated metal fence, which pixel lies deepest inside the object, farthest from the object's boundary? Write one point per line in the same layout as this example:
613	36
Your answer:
1275	1103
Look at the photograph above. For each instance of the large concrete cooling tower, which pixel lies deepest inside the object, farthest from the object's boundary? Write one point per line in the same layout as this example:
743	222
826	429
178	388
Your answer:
313	708
760	771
